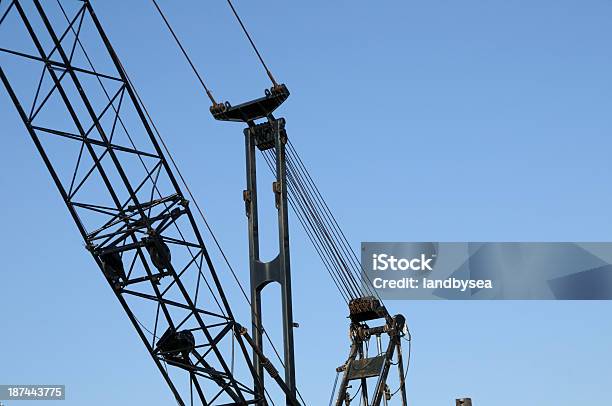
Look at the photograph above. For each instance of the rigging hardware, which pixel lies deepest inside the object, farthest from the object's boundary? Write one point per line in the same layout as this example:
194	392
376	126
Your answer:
184	52
129	210
132	244
344	267
252	110
359	367
272	136
246	33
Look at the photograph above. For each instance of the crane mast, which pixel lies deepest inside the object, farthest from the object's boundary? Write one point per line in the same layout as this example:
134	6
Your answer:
269	135
95	139
111	168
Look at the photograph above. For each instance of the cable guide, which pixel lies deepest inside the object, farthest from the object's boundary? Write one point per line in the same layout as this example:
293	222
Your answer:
254	109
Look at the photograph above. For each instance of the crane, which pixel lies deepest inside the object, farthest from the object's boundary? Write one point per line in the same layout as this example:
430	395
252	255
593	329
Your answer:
128	203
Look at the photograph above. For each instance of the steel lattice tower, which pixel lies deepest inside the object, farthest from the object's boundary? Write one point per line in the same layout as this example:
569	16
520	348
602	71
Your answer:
94	136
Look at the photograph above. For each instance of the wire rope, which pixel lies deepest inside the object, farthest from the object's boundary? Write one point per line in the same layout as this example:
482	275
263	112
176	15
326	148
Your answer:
246	32
184	52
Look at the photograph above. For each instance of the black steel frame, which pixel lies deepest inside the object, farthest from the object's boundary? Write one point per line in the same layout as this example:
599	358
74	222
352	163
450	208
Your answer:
267	135
362	368
136	223
270	135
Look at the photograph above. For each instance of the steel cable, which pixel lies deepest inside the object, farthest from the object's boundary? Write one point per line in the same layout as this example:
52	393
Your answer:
229	2
327	212
299	206
207	225
331	399
302	219
332	222
324	229
317	224
320	226
184	52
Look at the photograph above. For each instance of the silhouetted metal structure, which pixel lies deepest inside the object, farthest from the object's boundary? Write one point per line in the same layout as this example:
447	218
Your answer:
103	153
363	368
93	135
267	135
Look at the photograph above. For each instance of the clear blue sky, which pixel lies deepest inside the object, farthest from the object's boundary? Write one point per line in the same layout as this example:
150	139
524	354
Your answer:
421	120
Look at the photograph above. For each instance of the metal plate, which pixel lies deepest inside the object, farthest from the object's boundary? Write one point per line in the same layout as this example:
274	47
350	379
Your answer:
366	367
